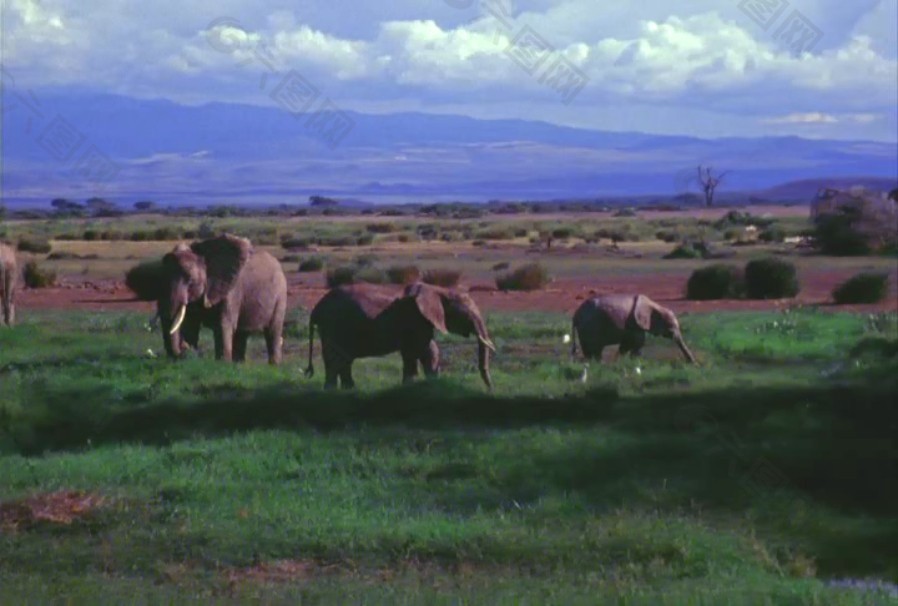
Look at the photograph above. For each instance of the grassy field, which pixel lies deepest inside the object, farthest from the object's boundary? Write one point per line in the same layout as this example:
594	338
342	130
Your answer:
758	478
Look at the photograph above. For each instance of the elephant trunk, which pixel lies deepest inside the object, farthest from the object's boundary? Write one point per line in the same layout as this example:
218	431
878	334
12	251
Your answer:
483	363
484	345
686	352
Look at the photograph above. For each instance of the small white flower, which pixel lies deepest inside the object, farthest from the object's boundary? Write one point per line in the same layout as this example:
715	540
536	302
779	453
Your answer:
638	370
566	339
150	353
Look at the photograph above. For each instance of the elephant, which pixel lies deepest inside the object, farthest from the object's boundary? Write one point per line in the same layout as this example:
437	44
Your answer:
624	320
225	284
360	321
9	278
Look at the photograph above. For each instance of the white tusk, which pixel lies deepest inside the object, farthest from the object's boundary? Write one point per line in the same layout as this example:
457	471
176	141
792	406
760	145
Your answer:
179	320
488	343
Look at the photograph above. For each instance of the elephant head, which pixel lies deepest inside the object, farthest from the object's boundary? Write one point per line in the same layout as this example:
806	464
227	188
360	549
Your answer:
454	311
199	274
659	321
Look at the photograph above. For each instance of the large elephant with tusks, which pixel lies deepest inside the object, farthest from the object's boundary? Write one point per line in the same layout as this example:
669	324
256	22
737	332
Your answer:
225	284
361	320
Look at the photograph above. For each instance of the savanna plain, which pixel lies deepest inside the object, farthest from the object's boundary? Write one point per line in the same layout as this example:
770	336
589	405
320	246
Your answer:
766	474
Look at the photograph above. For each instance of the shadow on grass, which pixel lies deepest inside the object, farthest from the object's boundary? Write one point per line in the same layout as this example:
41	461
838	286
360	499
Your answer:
828	448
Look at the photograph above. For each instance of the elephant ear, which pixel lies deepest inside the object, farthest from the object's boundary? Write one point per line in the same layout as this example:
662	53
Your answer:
225	256
429	303
642	312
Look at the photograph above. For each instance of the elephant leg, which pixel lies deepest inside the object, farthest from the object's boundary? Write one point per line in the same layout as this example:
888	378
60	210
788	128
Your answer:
274	342
409	366
227	343
632	343
346	381
330	365
430	360
240	339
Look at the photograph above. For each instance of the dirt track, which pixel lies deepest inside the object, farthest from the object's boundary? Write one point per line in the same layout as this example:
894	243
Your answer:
563	295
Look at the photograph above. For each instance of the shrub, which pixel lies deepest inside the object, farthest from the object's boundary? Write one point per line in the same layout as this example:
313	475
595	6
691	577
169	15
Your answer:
684	251
365	240
338	276
311	264
290	243
500	266
89	235
145	279
770	278
35	277
366	260
34	245
380	228
868	287
62	255
718	281
403	274
495	233
337	241
667	236
562	233
774	233
442	277
529	277
290	259
835	234
372	275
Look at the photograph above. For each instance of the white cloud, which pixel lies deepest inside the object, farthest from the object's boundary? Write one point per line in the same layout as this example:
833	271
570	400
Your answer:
806	118
675	53
820	118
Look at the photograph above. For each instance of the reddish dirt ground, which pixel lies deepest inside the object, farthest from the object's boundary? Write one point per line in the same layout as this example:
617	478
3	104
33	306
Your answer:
61	507
563	295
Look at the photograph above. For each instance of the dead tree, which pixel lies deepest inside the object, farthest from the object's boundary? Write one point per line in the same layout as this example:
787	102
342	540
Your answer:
709	182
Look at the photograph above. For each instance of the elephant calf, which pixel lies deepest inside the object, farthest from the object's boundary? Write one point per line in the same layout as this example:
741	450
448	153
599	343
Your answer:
623	320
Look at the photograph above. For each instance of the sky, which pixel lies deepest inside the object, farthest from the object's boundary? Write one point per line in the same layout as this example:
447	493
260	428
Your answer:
708	68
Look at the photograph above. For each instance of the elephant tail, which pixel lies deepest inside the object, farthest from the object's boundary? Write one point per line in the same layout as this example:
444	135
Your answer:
310	369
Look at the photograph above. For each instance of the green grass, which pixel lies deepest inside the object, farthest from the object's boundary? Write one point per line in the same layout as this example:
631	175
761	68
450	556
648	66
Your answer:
751	479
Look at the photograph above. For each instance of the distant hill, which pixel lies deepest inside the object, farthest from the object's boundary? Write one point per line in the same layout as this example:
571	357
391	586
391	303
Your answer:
240	154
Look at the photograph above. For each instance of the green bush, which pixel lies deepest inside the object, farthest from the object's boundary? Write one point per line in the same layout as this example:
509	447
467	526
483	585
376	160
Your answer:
338	276
380	228
290	243
442	277
770	278
686	250
311	264
495	233
35	277
403	274
835	234
34	245
774	233
364	240
695	249
868	287
718	281
532	276
372	275
365	260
